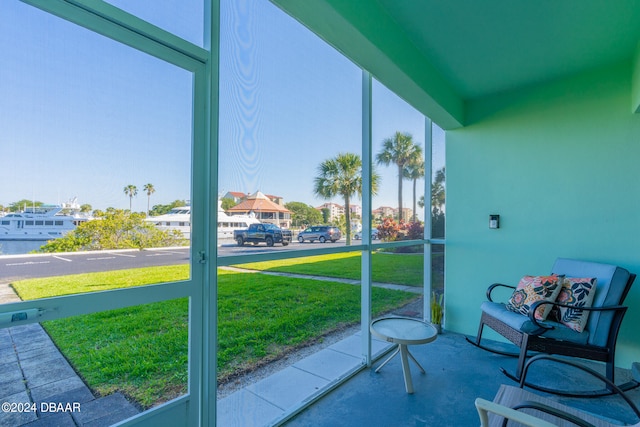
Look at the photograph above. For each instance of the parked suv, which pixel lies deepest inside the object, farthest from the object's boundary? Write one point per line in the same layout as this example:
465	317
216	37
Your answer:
374	235
321	233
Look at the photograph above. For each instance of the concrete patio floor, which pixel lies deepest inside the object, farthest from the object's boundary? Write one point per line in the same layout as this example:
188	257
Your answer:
456	373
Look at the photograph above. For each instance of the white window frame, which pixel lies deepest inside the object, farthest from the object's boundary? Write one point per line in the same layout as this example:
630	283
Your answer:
129	30
198	406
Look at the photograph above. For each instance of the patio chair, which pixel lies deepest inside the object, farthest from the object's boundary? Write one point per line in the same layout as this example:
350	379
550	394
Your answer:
597	339
529	409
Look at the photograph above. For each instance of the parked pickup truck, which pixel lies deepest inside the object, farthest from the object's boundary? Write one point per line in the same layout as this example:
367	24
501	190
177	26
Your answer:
267	233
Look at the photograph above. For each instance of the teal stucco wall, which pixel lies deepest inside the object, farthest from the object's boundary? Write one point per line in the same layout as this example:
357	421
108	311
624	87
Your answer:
560	164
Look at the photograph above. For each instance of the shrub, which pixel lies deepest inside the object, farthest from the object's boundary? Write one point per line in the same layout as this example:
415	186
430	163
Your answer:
415	230
114	229
389	230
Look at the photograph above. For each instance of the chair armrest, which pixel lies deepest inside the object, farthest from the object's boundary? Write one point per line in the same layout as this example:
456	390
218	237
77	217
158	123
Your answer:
484	407
537	304
532	314
529	404
606	308
612	386
496	285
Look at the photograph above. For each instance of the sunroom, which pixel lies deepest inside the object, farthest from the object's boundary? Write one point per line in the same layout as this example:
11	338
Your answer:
534	106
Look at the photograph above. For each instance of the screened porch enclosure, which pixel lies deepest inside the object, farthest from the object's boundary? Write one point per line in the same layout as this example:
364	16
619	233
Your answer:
136	104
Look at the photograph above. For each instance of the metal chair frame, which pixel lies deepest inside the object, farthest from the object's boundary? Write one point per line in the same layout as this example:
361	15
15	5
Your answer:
537	342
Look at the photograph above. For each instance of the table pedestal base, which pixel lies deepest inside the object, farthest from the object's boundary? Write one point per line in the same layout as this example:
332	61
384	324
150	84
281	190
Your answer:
405	354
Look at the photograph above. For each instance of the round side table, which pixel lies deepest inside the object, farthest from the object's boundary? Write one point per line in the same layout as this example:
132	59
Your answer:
404	332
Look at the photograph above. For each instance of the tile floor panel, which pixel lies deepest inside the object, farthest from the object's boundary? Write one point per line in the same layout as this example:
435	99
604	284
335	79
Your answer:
329	364
287	388
246	409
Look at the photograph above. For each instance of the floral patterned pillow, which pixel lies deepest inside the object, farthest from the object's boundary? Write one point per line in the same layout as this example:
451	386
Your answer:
535	288
578	292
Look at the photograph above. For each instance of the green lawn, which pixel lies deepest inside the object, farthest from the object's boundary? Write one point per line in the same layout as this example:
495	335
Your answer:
142	351
93	282
386	268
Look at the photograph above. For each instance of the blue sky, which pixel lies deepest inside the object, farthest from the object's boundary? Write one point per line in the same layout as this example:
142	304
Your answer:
84	116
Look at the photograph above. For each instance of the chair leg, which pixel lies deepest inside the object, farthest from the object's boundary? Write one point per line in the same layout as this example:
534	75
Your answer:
522	358
611	364
611	369
477	342
479	335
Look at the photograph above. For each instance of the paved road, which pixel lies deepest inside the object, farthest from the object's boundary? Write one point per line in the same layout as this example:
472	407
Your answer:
15	267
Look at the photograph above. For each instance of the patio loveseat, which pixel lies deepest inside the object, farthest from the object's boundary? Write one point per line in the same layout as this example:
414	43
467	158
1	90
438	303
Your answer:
526	408
588	297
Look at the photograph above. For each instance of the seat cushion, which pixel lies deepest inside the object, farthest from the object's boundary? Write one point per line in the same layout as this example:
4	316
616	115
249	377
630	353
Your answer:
611	284
510	318
522	323
562	332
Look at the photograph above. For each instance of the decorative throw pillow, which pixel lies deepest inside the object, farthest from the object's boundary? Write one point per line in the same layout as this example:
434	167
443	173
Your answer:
578	292
535	288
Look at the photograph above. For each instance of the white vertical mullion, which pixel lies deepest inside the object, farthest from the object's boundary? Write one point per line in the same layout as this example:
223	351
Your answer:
208	397
199	233
129	30
428	150
365	275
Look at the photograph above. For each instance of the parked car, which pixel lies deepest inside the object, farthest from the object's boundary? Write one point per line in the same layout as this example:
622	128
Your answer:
321	233
374	234
267	233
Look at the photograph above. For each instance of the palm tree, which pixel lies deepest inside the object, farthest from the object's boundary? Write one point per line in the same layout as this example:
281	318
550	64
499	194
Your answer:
438	192
131	191
342	176
149	189
398	150
414	171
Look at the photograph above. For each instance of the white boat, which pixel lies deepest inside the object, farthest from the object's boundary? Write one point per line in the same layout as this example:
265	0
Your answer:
179	218
227	224
43	223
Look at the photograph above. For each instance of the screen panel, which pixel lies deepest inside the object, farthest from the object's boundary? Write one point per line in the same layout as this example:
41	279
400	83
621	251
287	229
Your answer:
398	144
290	112
100	136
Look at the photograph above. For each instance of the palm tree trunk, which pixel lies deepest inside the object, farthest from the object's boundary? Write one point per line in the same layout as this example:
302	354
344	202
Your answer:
347	217
415	181
399	193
